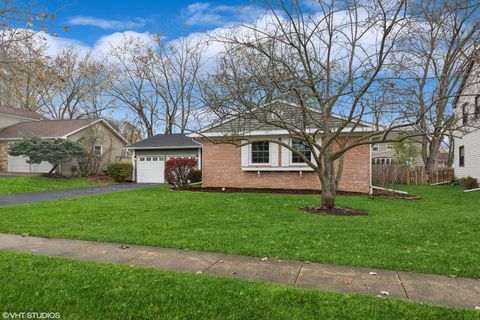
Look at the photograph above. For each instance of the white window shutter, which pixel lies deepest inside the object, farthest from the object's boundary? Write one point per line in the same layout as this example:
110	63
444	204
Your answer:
273	153
286	154
245	154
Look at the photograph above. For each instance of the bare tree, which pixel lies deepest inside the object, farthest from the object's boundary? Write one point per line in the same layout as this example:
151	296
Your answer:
133	83
437	46
176	73
323	62
76	82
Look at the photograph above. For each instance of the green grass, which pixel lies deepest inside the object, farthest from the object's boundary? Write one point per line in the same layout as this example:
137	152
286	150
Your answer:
438	234
34	184
86	290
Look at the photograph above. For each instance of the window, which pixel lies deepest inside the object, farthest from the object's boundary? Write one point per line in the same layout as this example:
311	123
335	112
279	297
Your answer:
389	146
260	152
465	114
97	150
461	156
477	106
375	147
302	147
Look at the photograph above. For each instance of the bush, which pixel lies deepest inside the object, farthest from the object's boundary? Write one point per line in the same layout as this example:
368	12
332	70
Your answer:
468	183
195	176
177	172
120	171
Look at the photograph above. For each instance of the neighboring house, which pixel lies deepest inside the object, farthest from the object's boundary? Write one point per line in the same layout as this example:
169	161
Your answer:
383	153
94	134
467	113
149	155
268	165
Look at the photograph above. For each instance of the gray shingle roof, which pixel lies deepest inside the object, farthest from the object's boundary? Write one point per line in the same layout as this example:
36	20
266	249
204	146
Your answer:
44	129
166	141
21	113
265	118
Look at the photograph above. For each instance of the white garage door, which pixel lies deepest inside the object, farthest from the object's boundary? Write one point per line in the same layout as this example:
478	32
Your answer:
151	169
20	165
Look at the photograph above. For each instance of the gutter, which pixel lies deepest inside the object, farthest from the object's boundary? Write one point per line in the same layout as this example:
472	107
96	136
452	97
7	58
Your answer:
390	190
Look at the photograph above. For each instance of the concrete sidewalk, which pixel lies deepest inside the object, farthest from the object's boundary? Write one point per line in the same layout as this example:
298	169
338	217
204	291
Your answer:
32	197
457	292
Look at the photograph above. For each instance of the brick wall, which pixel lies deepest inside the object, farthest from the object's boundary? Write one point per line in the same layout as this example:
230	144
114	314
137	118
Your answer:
222	168
3	157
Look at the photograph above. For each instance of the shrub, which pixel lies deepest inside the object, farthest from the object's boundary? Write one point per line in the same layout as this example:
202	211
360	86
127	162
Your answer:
195	176
468	183
177	172
120	171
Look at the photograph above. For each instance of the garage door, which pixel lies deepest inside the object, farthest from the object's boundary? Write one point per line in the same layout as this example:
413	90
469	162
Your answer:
151	169
20	165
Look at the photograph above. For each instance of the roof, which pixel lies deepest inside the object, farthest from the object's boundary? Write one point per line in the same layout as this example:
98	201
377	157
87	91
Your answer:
21	113
263	120
45	128
475	58
166	141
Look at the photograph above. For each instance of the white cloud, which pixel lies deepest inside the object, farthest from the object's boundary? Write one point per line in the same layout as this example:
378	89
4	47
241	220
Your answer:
133	23
105	43
206	14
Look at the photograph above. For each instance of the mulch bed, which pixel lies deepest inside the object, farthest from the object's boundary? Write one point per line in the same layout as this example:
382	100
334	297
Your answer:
99	179
267	190
383	194
337	211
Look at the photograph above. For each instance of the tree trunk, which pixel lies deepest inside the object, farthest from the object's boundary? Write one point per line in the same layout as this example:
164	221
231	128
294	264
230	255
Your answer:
433	150
329	186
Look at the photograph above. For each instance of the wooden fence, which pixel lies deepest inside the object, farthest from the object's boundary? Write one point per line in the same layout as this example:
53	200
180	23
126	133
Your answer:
398	174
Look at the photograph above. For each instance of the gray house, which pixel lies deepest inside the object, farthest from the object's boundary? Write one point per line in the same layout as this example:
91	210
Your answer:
149	155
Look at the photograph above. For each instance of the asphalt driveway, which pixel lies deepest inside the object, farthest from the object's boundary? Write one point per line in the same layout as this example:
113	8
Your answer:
32	197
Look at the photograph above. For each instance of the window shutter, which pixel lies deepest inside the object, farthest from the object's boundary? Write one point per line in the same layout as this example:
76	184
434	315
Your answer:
245	155
286	155
273	153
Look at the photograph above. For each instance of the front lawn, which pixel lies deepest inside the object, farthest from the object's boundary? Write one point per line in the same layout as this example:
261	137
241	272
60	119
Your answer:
86	290
438	234
33	184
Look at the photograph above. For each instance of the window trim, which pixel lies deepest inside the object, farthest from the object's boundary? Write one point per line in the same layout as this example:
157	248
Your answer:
95	151
250	153
292	154
461	157
465	114
477	106
375	147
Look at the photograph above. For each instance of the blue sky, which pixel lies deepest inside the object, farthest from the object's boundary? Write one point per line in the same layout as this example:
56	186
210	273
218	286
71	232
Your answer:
90	20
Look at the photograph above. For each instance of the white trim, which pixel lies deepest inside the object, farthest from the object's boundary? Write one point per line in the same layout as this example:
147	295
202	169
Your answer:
274	132
291	168
162	148
101	149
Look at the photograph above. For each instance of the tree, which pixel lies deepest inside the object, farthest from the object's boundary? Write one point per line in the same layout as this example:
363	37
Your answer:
405	152
132	81
53	151
76	82
323	61
176	73
440	38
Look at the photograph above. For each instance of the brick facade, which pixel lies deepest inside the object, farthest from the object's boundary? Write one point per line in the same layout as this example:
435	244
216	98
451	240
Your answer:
221	167
3	157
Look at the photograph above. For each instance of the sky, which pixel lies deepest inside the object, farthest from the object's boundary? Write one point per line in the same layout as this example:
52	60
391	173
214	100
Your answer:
90	22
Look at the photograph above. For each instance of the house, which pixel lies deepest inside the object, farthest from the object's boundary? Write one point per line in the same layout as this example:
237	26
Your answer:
268	165
466	161
383	153
149	155
94	134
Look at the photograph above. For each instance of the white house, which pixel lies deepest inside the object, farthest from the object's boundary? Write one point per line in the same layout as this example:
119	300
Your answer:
467	113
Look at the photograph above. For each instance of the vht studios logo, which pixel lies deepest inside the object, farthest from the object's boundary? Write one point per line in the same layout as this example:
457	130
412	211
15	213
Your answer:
31	315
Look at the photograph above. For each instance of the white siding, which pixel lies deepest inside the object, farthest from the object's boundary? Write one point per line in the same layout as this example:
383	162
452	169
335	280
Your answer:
471	142
469	138
286	154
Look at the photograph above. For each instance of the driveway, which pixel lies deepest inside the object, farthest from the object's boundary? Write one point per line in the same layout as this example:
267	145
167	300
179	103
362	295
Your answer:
32	197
